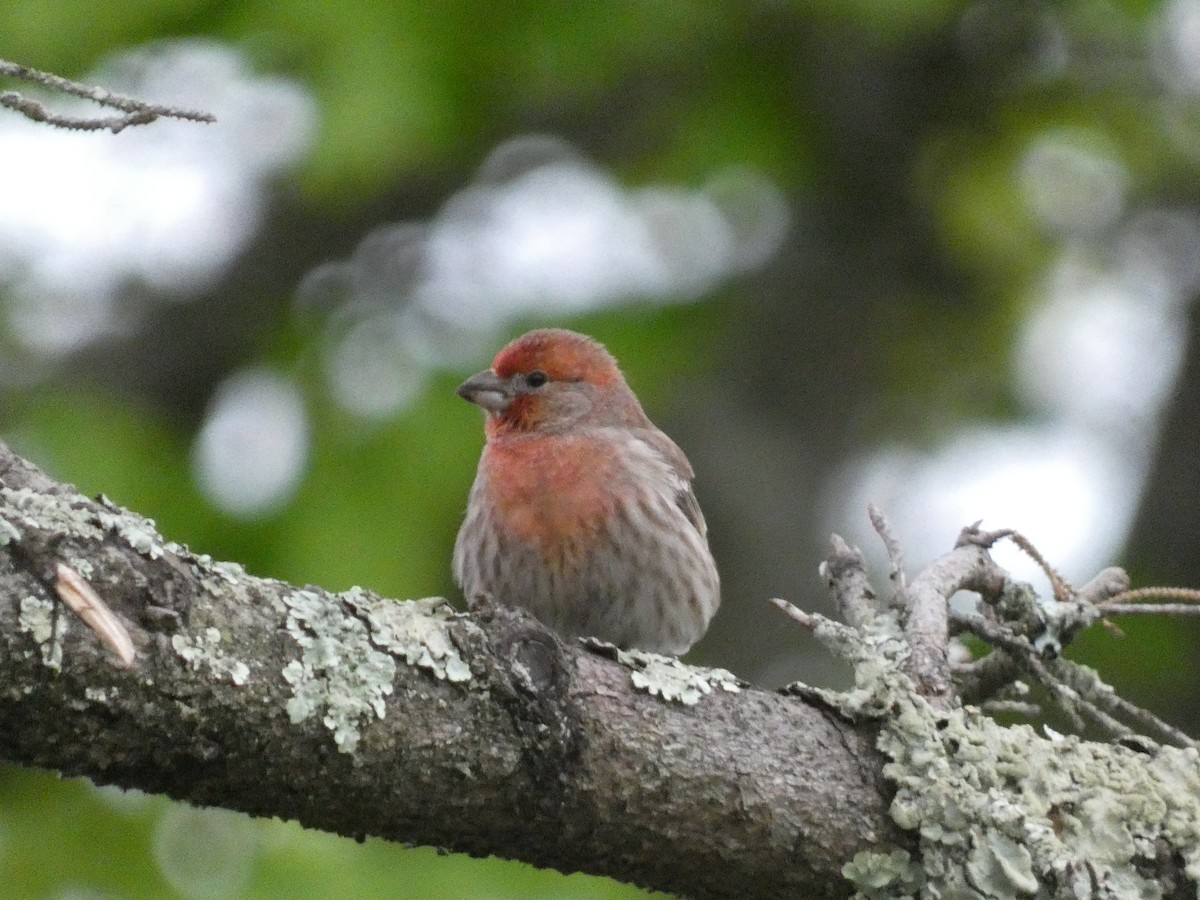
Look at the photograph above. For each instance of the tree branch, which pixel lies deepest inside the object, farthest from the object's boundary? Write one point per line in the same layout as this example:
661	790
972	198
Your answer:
360	716
136	112
133	661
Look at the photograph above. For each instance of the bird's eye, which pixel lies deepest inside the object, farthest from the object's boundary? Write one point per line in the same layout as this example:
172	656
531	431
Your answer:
536	378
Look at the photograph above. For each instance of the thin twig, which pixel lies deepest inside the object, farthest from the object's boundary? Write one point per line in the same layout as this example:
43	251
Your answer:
993	681
895	557
1063	678
794	613
1013	707
1025	656
1159	609
1102	696
983	679
845	571
1113	628
987	539
1073	702
1147	718
137	112
1104	586
1069	700
1061	587
967	567
1174	594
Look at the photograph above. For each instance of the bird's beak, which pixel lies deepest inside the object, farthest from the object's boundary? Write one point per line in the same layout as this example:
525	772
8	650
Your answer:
486	389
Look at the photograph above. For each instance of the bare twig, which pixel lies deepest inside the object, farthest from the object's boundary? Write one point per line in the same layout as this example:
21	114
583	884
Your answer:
1175	595
1157	609
1061	587
794	613
1088	683
895	557
1079	691
1012	707
983	679
1113	628
1024	655
967	567
987	539
1106	585
1026	633
136	112
1088	706
845	571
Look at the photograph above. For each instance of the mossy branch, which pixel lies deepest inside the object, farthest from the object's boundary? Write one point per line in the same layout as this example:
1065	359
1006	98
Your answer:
355	715
133	661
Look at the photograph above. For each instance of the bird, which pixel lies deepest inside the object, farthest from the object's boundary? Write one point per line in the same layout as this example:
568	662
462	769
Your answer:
582	511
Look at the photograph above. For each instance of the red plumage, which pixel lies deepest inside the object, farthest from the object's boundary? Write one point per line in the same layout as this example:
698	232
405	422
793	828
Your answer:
582	511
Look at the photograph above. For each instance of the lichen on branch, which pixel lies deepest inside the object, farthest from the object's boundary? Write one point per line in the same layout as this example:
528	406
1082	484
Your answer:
1003	811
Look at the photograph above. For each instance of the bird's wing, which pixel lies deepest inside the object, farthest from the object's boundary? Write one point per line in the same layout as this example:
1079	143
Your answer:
685	497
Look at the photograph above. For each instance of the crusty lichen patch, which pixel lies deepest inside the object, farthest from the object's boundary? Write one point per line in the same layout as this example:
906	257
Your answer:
39	620
340	675
140	533
205	650
350	644
31	509
1002	811
8	532
883	874
668	678
25	508
415	630
1057	814
218	576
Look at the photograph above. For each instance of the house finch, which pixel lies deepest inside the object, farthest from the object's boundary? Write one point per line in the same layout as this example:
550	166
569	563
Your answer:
582	512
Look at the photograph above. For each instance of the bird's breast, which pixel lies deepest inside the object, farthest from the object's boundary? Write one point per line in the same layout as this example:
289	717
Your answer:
550	493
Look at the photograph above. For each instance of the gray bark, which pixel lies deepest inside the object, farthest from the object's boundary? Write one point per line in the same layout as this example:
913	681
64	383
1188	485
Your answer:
481	734
133	661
